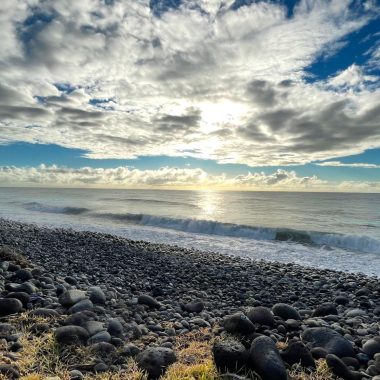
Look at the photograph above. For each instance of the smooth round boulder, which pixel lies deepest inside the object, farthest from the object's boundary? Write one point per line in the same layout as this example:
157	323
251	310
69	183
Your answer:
230	356
155	360
115	328
71	297
341	300
21	296
71	335
97	295
261	315
101	336
285	311
330	340
81	306
144	299
372	346
265	359
10	306
238	323
325	309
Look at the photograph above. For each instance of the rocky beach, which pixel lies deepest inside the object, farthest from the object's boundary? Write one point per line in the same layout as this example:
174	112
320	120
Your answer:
113	308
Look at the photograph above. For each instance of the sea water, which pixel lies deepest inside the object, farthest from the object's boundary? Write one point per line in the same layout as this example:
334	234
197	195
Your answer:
324	230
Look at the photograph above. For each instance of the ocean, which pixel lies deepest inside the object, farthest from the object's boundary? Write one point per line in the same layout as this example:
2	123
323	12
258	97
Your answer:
324	230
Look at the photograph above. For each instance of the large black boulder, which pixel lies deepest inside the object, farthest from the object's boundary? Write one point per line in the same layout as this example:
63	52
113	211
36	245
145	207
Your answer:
10	306
230	356
330	340
261	315
265	359
325	309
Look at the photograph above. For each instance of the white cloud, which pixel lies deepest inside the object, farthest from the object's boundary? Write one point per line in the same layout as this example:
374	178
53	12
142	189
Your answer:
202	80
352	77
350	165
167	177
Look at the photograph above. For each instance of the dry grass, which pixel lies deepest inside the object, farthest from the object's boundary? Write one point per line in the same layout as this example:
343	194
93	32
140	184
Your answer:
322	372
12	254
42	358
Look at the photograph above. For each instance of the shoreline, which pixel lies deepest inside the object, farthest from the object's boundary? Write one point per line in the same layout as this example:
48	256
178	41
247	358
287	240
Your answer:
194	290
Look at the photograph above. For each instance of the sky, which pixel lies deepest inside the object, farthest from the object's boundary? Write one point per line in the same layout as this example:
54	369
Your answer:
225	94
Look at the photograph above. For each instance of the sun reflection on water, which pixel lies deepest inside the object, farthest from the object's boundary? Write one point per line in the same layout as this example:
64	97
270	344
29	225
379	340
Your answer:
209	203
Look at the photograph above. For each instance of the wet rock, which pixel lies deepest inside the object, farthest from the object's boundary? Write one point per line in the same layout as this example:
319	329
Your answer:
230	356
238	323
155	360
71	335
265	359
285	311
328	339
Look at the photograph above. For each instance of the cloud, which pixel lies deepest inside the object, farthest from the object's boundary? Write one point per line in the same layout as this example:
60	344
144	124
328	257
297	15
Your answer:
206	79
165	176
350	165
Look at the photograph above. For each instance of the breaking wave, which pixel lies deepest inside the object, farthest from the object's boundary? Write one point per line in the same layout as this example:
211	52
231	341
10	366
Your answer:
35	206
349	242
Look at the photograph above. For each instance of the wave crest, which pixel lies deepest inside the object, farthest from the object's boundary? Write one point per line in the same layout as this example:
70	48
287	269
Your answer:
209	227
35	206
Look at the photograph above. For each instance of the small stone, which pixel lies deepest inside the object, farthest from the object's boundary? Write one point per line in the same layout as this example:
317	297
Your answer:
76	375
23	297
101	367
